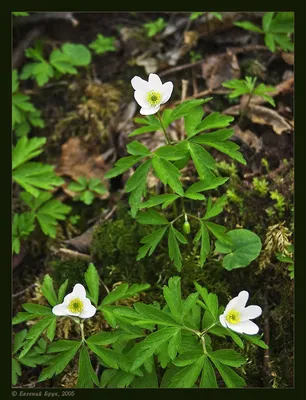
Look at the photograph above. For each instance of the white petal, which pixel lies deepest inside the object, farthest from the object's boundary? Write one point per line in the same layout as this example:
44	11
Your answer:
249	327
250	312
231	304
222	320
149	111
167	89
155	82
141	98
79	291
242	299
88	311
68	298
59	310
236	327
140	84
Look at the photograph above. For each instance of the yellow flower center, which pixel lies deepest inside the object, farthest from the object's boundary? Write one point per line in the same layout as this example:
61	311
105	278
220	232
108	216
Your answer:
76	306
233	317
154	98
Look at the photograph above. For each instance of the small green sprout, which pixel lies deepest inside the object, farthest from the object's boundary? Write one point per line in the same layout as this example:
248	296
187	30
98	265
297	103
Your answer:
87	189
103	44
247	86
260	186
277	28
280	204
194	56
153	27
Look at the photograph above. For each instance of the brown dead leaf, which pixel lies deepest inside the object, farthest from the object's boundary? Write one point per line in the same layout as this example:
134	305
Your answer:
191	38
249	138
288	58
77	160
219	68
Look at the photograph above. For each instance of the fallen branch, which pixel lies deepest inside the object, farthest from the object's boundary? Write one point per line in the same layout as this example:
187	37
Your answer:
18	53
74	254
38	17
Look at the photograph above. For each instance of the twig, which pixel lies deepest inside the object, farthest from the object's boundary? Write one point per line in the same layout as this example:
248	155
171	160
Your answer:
18	53
74	254
234	50
23	291
105	287
38	17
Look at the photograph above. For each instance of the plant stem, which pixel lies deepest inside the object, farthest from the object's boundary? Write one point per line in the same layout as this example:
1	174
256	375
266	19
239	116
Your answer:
82	331
172	222
203	344
193	216
207	329
168	140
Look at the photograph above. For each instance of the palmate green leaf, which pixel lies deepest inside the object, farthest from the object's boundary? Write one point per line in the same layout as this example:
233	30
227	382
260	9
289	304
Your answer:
87	376
37	309
122	165
212	121
174	249
184	108
217	136
113	378
148	380
256	339
18	340
62	291
41	71
174	344
137	149
270	42
193	119
144	129
153	315
168	174
218	231
266	20
164	199
205	243
23	225
214	209
230	377
206	184
123	291
62	62
34	175
150	243
22	317
284	42
103	338
187	376
170	153
151	217
51	330
26	149
202	159
228	357
15	82
248	26
92	281
103	44
208	377
16	371
97	186
20	101
78	54
245	247
58	363
47	289
162	355
111	358
187	358
151	343
173	297
283	22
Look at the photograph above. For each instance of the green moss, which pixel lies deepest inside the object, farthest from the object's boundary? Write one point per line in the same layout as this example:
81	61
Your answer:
70	269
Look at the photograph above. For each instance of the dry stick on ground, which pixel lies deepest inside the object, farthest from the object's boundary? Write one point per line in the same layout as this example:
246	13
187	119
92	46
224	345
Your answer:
41	16
74	254
24	290
18	53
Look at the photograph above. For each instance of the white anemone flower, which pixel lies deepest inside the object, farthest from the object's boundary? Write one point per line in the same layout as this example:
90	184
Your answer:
150	95
75	304
237	316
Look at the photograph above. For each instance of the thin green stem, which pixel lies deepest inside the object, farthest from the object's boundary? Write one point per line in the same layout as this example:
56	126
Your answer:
207	329
168	140
193	216
203	344
82	331
175	219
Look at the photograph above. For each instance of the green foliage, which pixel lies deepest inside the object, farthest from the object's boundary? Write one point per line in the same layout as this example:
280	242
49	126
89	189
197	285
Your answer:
23	225
20	14
280	204
153	27
61	61
277	28
24	113
196	14
247	86
87	189
103	44
261	186
287	257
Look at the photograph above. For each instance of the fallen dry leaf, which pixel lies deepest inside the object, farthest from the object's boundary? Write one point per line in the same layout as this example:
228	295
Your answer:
249	138
288	58
77	160
219	68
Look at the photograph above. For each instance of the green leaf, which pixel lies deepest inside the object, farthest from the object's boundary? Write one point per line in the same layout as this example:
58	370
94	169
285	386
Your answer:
206	184
215	208
19	339
231	379
255	339
139	178
63	345
58	363
269	42
150	243
153	315
229	357
181	238
168	174
174	250
48	290
49	214
92	281
189	303
23	225
137	149
77	54
245	248
148	380
188	375
212	121
103	338
103	44
86	197
16	371
122	165
218	231
202	159
170	153
184	108
61	62
174	344
20	14
145	129
284	42
62	291
151	217
208	377
159	199
217	136
154	27
151	343
37	309
192	120
124	292
173	297
248	26
212	305
22	317
51	330
87	375
35	175
266	20
26	149
97	186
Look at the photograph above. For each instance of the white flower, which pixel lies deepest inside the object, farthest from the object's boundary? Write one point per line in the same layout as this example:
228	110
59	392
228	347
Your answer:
75	304
237	317
150	95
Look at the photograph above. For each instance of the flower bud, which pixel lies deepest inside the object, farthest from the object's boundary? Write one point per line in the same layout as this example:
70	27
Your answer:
186	227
